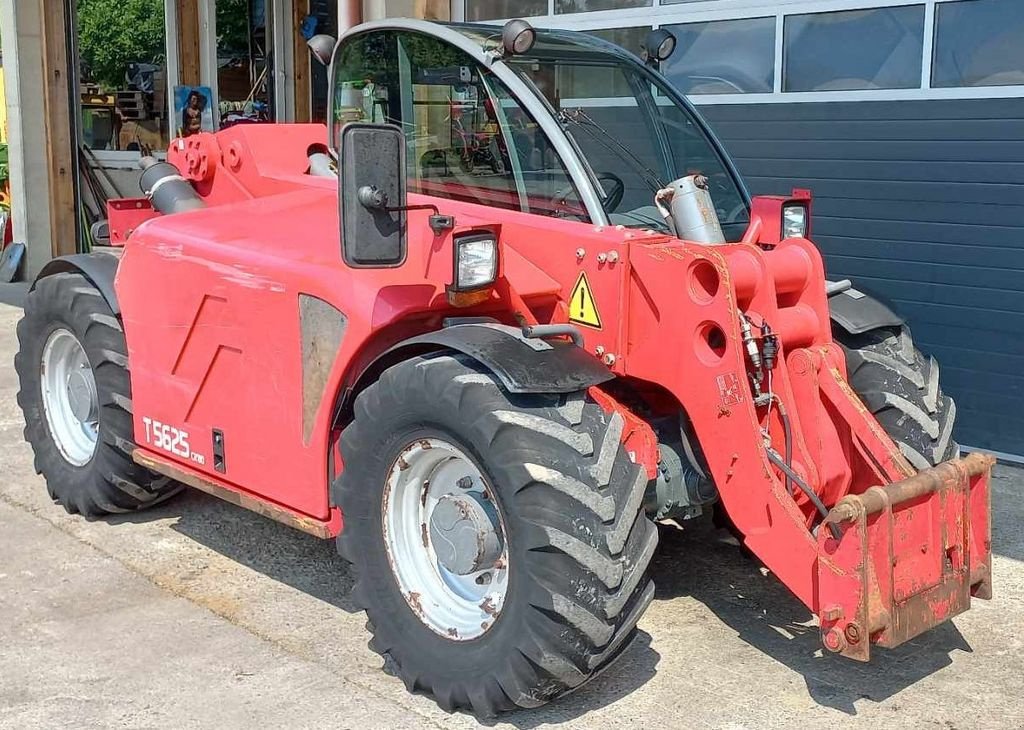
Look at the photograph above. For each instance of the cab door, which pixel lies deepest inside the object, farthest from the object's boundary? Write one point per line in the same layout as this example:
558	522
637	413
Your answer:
470	139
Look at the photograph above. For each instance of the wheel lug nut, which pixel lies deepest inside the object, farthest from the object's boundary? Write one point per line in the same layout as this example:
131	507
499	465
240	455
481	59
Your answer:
483	579
465	483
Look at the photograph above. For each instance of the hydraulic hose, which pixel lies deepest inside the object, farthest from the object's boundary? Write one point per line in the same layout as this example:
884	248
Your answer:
775	458
787	430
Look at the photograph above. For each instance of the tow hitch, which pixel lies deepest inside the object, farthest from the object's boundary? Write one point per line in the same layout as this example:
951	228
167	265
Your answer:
910	556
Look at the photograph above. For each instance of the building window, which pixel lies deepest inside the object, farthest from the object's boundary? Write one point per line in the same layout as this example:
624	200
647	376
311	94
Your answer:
723	57
588	6
496	9
979	43
856	49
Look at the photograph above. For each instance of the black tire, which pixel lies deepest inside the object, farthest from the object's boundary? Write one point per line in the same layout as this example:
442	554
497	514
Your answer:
110	482
900	386
571	501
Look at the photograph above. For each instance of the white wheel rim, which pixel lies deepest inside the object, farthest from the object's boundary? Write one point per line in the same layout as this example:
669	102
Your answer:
69	397
459	606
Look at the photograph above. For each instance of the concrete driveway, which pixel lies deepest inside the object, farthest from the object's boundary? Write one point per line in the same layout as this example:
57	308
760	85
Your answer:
199	614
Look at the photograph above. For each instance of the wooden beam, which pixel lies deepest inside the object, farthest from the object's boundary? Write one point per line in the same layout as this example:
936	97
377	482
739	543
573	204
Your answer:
301	60
60	144
188	43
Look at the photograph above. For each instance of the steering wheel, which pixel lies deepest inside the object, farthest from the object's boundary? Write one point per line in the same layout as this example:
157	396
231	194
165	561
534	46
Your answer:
612	197
616	190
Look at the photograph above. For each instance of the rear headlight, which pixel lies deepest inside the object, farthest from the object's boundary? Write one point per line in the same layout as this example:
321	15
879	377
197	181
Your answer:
794	221
476	261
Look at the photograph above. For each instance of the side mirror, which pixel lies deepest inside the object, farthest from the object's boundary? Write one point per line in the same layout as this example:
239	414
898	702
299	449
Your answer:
373	195
322	47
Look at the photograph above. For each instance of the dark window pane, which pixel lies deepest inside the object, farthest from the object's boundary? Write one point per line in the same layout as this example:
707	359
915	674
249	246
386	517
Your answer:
469	139
365	82
623	140
494	9
586	6
723	57
979	43
855	49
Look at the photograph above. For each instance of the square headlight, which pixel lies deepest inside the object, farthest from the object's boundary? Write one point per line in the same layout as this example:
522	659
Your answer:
476	261
794	221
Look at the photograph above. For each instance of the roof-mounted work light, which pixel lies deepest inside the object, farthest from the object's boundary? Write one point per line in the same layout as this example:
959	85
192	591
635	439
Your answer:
658	46
517	37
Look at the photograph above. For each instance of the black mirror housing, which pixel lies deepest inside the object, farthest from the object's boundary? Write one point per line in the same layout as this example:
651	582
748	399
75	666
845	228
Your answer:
372	191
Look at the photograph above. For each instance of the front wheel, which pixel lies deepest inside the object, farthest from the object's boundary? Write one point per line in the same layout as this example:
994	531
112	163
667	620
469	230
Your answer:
499	540
900	386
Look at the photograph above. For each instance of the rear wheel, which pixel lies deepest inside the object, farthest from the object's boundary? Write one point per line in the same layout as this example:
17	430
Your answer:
900	386
499	540
75	393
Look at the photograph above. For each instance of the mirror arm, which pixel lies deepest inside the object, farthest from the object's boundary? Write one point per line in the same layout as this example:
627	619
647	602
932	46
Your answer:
370	196
439	223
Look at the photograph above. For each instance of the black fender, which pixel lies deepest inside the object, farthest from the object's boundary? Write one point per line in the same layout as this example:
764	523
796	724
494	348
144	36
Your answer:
98	267
857	312
522	364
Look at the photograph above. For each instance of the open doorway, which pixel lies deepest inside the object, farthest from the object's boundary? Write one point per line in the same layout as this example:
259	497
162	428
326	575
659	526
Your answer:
122	75
246	61
123	79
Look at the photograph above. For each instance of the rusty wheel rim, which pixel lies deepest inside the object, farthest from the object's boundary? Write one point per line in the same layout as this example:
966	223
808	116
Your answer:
445	539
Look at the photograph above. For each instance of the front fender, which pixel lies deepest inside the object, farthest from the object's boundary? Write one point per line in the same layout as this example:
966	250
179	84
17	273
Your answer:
857	313
522	364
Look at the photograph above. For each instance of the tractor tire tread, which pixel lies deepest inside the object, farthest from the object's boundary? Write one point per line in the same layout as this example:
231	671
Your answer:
900	386
110	483
559	468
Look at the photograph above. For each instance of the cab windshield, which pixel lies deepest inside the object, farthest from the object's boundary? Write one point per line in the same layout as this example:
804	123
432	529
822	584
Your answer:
470	138
632	131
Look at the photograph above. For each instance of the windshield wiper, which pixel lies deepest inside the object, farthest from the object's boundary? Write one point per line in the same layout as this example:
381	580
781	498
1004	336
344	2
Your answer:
583	120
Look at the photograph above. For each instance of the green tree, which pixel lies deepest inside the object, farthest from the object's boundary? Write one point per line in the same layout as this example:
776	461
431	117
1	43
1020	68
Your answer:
115	33
232	28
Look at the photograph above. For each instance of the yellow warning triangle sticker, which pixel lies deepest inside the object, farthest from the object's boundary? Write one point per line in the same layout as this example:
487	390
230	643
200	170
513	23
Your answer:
582	307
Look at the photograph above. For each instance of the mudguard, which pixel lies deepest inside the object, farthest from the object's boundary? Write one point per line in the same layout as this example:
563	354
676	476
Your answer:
98	267
856	312
522	364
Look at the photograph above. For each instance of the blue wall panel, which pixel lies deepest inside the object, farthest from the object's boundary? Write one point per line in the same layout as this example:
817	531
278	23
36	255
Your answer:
921	202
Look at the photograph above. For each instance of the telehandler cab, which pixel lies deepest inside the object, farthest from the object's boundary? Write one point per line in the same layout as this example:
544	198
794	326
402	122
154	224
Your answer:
512	306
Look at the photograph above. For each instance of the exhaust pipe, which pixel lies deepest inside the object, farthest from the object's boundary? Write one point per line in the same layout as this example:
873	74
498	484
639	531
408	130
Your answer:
687	207
166	189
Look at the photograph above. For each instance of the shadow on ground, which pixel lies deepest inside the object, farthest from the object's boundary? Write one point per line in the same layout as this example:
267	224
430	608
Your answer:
699	561
313	566
707	565
298	560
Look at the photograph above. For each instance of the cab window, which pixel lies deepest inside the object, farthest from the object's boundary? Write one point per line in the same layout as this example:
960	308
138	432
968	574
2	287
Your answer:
467	137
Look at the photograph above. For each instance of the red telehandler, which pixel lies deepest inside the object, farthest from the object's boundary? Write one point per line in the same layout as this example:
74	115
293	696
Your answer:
488	367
